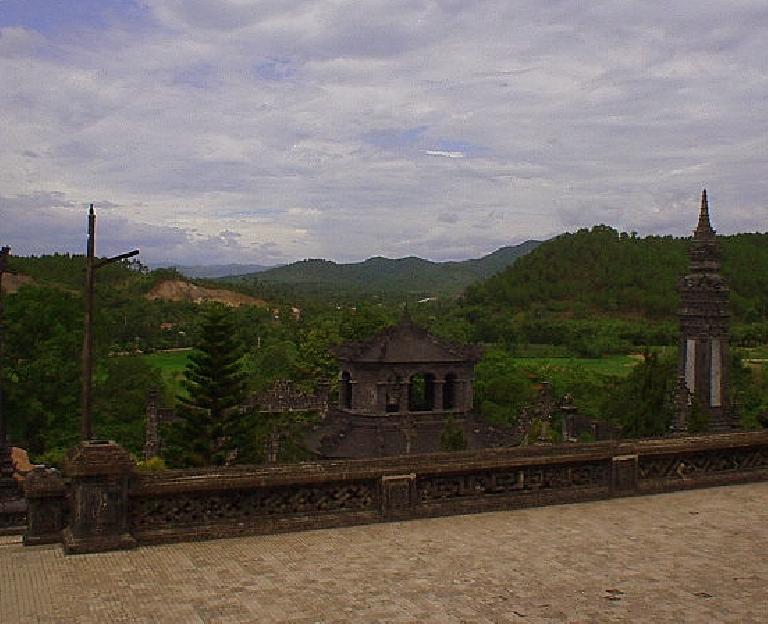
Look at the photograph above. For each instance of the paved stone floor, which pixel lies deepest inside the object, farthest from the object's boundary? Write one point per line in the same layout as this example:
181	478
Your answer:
697	556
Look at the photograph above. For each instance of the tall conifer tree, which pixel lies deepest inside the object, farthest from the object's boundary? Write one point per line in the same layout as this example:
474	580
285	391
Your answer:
215	386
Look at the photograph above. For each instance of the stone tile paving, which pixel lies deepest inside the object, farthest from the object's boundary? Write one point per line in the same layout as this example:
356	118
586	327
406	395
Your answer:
698	556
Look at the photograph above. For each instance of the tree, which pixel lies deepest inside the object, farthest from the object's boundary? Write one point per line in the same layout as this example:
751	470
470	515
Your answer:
452	437
43	345
642	402
120	392
215	388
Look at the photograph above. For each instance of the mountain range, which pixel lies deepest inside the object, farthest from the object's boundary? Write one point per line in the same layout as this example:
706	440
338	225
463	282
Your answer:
411	275
213	271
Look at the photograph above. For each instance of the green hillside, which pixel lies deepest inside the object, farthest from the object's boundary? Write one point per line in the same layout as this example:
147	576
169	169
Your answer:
601	272
403	276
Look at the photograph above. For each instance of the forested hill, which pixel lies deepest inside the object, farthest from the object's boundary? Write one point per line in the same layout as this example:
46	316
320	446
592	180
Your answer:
603	272
412	276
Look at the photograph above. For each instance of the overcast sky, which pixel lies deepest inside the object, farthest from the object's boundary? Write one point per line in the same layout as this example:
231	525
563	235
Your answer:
265	131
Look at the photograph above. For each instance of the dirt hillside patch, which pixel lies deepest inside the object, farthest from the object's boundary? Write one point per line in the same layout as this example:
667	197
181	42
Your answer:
178	290
13	281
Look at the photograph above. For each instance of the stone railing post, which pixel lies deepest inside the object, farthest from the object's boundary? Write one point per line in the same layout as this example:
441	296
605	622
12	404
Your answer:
398	495
46	499
624	474
100	473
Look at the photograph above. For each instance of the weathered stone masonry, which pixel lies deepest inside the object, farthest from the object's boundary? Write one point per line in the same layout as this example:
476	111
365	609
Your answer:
182	505
704	329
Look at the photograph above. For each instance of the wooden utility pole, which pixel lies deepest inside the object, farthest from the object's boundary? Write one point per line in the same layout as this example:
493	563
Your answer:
5	451
91	265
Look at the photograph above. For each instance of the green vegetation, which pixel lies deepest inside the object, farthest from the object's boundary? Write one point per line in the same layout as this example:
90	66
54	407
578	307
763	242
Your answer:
505	384
616	365
171	365
43	347
567	313
215	387
403	277
601	291
452	438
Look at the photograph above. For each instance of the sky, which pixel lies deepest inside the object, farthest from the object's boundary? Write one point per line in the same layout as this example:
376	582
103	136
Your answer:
267	131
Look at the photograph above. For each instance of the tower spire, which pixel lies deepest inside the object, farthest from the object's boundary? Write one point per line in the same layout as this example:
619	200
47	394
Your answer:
704	327
704	228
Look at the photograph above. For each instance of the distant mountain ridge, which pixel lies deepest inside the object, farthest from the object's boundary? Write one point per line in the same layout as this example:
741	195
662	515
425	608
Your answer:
410	275
214	271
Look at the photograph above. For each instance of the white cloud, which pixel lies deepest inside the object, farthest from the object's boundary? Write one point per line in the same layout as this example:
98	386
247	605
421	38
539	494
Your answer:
444	153
303	126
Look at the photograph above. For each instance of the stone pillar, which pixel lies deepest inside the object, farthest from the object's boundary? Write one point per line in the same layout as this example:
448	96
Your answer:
46	498
437	388
381	397
398	495
624	474
152	426
100	472
405	397
354	399
682	407
13	508
469	395
323	393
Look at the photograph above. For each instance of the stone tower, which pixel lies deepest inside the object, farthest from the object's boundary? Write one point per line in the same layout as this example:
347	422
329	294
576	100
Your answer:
704	323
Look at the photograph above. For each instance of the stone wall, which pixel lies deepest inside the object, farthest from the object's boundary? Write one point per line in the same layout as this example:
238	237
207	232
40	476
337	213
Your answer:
182	505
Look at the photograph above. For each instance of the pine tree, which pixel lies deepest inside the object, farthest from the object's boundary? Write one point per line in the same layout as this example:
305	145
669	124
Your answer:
215	386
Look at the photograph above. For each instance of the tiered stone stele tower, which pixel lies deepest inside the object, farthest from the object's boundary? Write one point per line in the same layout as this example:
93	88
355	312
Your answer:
704	324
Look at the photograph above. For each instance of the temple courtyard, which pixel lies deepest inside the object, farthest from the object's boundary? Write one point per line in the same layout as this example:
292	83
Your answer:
697	556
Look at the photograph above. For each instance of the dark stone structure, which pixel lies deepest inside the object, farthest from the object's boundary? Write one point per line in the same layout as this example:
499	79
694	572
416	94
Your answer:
704	324
46	500
13	508
154	417
100	474
397	391
284	397
215	502
576	426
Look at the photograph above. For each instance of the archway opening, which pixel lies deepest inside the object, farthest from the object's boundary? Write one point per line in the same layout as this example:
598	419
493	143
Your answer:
421	397
345	390
449	392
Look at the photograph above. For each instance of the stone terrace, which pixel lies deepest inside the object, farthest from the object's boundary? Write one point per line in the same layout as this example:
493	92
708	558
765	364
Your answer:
697	556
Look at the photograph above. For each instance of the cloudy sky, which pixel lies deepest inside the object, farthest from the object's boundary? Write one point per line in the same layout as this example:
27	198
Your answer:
265	131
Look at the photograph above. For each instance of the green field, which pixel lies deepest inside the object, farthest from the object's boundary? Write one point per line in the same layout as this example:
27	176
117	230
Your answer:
759	353
171	365
618	365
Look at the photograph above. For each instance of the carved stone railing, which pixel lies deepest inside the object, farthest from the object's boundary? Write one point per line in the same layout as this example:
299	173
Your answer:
678	464
45	493
181	505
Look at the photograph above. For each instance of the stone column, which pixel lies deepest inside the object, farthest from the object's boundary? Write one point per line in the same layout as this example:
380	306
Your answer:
100	472
405	397
624	474
46	499
469	395
13	508
437	388
381	396
152	426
